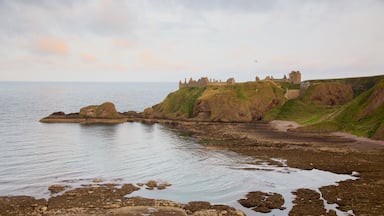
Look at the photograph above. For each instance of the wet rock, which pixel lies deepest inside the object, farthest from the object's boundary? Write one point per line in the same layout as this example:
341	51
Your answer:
140	201
107	199
60	113
202	208
151	184
307	202
197	205
263	202
54	189
150	211
163	186
96	180
21	205
105	195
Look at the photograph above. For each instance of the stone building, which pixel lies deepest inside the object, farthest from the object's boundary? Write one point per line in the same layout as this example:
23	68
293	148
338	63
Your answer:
204	81
295	77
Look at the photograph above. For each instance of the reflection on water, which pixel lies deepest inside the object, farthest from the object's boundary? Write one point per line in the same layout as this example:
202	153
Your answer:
35	155
134	152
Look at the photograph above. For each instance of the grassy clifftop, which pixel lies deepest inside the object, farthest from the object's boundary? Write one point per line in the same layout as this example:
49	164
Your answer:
353	105
242	102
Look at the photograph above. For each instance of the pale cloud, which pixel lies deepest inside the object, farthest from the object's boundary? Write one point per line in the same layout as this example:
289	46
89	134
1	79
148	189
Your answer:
51	46
122	43
89	58
149	61
112	17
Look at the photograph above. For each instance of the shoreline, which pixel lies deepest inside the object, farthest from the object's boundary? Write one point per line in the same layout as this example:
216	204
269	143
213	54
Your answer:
334	152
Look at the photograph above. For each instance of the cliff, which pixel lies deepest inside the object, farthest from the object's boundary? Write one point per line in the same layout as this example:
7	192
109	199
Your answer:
240	102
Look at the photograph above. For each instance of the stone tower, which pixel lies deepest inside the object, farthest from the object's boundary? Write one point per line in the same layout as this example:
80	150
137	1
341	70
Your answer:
295	77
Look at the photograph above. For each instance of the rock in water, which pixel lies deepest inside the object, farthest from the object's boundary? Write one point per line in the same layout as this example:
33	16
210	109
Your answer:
105	110
95	114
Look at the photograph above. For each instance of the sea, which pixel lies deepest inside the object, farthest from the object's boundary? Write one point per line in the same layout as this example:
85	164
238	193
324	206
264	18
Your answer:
35	155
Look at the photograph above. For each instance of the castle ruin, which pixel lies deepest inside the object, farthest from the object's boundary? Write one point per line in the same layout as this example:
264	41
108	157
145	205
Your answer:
204	81
294	78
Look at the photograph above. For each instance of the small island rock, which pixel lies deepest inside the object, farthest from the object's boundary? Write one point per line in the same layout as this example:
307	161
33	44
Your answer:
105	113
105	110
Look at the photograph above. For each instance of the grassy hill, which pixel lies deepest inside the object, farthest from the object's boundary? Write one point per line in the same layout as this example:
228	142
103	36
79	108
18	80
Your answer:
241	102
356	108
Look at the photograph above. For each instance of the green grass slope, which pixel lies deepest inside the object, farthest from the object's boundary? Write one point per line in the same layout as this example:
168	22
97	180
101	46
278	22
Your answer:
328	106
364	116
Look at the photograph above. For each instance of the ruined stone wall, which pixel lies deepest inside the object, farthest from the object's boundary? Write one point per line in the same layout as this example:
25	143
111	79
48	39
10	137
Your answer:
204	81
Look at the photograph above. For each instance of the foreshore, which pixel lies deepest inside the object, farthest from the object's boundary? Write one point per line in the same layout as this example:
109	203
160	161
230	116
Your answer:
342	154
337	153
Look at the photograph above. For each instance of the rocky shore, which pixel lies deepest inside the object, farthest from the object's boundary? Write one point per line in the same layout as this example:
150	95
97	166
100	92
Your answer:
106	199
306	150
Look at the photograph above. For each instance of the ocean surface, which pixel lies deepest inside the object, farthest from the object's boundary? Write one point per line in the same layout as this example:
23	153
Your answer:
36	155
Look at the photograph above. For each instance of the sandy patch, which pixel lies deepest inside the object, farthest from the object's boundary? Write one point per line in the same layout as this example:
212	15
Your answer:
284	126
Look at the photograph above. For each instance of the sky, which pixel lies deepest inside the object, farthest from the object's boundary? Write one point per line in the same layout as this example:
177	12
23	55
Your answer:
169	40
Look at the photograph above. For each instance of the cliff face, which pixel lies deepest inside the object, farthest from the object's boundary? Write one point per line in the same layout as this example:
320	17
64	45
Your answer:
331	93
243	102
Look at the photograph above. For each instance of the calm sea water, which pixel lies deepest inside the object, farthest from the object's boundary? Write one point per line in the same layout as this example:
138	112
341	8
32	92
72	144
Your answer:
35	155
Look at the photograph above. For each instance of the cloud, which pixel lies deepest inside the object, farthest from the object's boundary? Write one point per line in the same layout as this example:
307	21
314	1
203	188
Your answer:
102	17
89	58
112	17
122	43
223	5
51	46
149	61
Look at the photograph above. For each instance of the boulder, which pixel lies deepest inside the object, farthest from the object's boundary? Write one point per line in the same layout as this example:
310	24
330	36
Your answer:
106	110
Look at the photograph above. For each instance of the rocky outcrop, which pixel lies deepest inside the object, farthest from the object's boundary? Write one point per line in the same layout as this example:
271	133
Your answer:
95	114
241	102
307	202
330	93
263	202
106	110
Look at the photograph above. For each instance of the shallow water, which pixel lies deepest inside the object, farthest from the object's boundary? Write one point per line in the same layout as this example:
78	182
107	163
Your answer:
35	155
